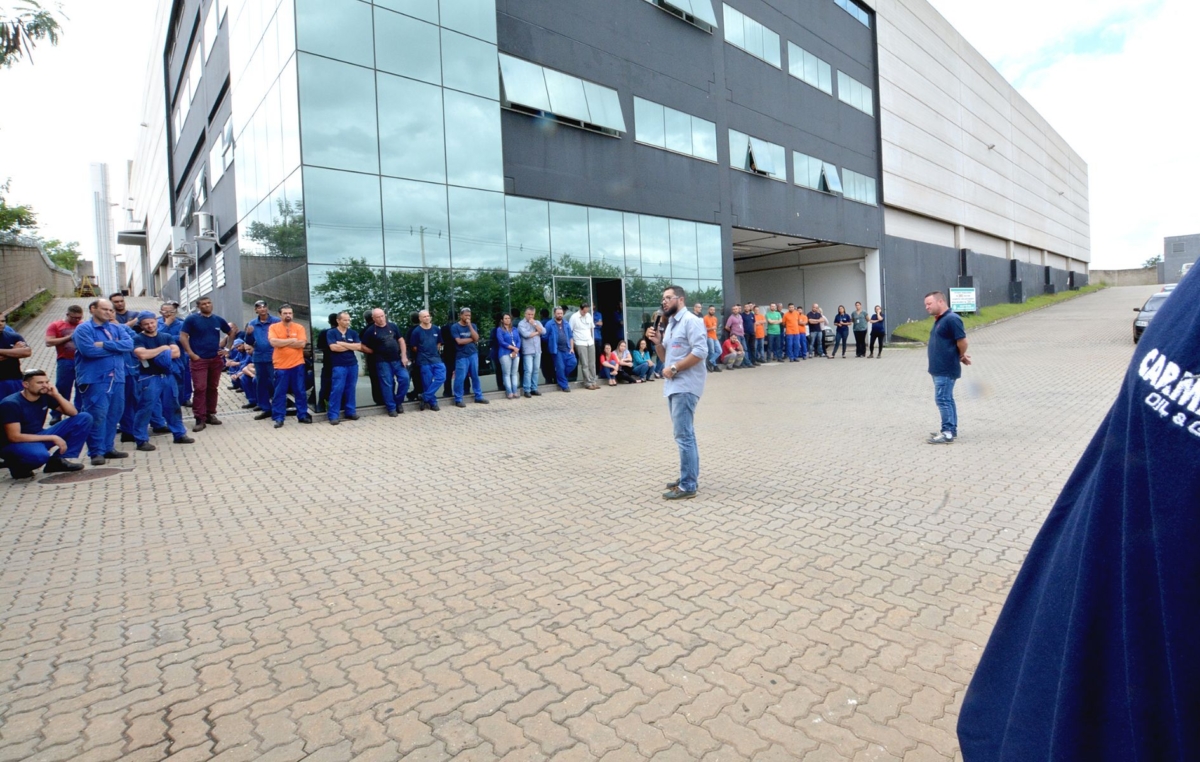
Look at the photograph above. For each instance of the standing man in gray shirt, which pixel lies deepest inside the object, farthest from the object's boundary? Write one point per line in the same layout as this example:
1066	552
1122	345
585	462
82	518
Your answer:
532	332
683	348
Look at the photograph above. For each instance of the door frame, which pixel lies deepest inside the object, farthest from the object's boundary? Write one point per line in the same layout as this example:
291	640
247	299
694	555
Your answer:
554	279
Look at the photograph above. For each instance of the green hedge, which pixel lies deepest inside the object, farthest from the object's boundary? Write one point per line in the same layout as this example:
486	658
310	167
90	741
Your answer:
919	331
30	308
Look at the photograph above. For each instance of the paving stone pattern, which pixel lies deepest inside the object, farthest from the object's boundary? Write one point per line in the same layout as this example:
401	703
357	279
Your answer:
505	582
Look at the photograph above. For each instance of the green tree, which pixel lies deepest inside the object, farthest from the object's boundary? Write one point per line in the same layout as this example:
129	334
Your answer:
22	27
1152	261
15	219
284	236
65	255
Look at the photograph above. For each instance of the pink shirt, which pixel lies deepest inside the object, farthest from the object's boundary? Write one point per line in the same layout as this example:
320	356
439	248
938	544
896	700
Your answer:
57	330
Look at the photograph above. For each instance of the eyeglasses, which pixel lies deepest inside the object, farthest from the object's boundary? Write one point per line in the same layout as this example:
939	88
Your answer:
669	298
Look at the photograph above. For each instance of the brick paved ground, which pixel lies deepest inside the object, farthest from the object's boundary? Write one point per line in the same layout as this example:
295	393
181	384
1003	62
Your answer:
505	582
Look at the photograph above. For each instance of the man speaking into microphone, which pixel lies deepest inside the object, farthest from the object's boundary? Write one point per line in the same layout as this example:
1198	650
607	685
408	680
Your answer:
682	345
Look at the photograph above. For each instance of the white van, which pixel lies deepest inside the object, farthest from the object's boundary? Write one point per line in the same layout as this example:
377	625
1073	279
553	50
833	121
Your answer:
1183	270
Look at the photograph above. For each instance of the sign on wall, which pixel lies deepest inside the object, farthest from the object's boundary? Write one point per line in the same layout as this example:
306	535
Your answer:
963	300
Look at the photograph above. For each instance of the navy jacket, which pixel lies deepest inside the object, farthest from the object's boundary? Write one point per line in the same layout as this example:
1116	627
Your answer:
1095	655
552	335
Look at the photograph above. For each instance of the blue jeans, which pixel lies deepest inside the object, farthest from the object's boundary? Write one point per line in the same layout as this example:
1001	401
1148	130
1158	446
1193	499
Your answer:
683	409
342	395
840	337
943	395
714	351
748	360
642	370
775	345
264	381
289	380
510	371
464	366
816	342
529	371
564	363
760	350
104	402
433	375
64	382
393	382
25	457
158	399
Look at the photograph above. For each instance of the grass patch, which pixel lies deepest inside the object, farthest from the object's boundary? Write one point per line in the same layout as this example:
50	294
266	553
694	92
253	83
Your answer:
30	308
919	331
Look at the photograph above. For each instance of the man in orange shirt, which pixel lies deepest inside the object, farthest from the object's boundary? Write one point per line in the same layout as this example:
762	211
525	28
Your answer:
760	335
792	333
714	344
288	338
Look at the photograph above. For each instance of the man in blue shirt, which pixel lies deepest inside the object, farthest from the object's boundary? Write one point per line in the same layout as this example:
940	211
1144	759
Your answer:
24	445
264	371
466	360
383	341
12	349
201	340
426	340
947	352
560	343
169	322
100	349
155	353
683	348
343	343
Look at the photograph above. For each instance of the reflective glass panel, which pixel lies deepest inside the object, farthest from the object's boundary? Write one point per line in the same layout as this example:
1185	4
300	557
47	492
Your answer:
524	83
407	47
771	47
469	65
739	150
474	17
734	27
409	290
342	214
426	10
569	238
708	292
606	238
763	159
289	111
285	24
416	228
703	10
648	123
753	32
337	114
338	29
633	245
704	139
477	236
605	106
778	161
528	222
656	247
683	249
831	178
355	288
474	155
708	250
411	138
566	95
679	131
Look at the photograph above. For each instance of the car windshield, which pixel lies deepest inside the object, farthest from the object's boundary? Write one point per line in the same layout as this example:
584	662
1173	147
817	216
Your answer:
1154	302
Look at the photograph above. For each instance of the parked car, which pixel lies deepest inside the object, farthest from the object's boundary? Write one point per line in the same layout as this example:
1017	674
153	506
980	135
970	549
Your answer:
1168	288
1146	314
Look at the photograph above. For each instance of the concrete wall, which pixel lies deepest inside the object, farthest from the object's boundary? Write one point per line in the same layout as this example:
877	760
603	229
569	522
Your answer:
991	278
911	270
25	270
1146	276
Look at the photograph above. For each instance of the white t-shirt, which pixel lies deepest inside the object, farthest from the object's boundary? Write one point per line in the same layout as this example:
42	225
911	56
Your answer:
582	328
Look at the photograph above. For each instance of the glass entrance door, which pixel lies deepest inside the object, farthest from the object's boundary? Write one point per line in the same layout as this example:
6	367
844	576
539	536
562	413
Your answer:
570	292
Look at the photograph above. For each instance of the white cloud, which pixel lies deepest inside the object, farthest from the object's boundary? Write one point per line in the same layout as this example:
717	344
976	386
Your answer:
1130	110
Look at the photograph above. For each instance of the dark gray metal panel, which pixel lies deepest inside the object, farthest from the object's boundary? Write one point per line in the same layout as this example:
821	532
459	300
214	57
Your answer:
1081	280
1059	279
991	278
912	269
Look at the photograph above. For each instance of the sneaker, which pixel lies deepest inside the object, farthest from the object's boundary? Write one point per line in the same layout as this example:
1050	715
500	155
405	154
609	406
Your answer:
262	416
116	454
146	447
249	405
678	494
943	437
526	395
184	440
334	422
673	485
352	417
59	465
97	460
535	393
565	390
460	404
305	419
200	425
435	408
481	401
716	369
422	405
212	420
393	413
279	424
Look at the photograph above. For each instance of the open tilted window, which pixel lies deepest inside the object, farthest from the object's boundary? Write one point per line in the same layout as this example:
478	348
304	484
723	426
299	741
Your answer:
540	91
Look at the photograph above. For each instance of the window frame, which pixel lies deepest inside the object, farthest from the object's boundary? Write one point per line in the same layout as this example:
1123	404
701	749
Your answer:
797	54
605	99
729	12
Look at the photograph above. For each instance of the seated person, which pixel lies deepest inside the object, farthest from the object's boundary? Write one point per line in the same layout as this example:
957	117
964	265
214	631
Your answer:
609	365
643	361
732	354
625	364
25	445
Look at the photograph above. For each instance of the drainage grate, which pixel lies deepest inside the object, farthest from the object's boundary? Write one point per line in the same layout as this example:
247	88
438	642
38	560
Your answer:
86	475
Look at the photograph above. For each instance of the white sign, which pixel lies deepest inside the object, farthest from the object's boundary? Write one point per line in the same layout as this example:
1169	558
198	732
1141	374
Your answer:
962	299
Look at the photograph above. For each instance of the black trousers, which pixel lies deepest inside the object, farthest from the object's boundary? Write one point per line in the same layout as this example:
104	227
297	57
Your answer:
860	343
874	338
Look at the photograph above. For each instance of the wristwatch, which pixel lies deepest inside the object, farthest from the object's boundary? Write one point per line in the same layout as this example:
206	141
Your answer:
674	369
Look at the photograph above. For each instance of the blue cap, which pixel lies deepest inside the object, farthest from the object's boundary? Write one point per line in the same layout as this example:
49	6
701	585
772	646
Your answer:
146	315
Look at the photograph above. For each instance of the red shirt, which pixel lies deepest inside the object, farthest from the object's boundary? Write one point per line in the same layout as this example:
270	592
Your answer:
57	330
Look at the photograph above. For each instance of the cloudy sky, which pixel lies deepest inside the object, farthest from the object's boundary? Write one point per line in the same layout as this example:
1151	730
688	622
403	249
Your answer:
1117	78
